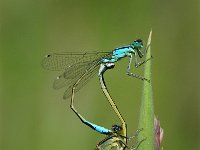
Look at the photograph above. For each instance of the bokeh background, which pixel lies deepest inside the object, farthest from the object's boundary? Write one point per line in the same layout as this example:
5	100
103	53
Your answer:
33	116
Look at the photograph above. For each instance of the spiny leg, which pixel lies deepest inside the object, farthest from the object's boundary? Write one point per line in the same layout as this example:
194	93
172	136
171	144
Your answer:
135	134
138	76
143	62
136	65
135	146
102	69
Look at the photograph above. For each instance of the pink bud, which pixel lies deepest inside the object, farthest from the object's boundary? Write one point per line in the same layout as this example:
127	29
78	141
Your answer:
158	133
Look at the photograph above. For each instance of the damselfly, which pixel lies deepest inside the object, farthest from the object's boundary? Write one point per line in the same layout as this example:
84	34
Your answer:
75	65
80	67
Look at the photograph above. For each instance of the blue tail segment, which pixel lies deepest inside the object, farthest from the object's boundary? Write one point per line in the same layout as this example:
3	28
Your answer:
97	128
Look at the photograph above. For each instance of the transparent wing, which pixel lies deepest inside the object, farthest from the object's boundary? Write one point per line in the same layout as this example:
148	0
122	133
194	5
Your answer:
61	61
74	66
72	74
83	82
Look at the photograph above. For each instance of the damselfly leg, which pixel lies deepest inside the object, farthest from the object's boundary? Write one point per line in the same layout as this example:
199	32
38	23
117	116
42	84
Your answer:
137	64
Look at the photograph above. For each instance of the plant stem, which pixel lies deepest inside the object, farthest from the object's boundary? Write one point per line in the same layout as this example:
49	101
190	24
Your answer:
146	116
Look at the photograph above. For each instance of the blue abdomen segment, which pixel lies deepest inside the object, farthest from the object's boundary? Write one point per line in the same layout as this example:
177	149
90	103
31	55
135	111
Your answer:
98	128
118	53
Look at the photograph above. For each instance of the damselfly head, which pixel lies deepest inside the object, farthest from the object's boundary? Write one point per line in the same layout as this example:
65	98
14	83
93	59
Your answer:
137	44
116	128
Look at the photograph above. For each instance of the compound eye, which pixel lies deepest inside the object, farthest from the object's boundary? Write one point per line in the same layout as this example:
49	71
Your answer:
139	40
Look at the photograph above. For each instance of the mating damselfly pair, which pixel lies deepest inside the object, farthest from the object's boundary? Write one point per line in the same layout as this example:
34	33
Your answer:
78	68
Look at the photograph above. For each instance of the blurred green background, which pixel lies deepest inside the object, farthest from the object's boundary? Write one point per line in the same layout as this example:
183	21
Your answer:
33	116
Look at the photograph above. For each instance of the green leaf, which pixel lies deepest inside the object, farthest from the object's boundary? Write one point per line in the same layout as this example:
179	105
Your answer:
146	115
